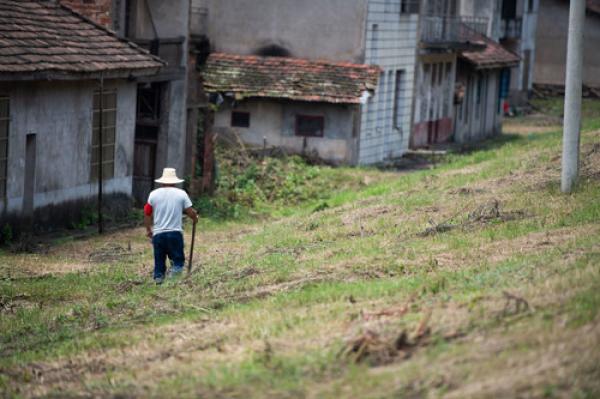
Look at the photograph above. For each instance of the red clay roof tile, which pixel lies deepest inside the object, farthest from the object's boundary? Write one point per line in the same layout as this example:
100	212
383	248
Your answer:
493	56
44	37
289	78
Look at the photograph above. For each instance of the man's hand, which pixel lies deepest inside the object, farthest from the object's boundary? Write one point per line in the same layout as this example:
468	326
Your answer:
149	233
192	214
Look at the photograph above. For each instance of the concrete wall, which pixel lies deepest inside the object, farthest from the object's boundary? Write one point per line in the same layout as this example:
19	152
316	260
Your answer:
60	114
475	121
391	42
313	29
275	121
551	51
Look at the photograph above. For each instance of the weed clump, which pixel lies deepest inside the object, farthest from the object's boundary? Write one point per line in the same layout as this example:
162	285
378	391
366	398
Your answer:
250	183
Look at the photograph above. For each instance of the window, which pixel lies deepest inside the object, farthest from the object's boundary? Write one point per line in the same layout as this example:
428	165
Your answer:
409	6
374	43
148	102
109	132
310	126
4	119
399	99
240	119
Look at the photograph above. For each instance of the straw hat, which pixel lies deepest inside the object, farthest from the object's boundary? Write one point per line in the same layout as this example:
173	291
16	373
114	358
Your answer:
169	177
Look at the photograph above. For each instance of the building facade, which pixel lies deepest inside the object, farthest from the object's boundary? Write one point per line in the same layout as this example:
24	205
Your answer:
51	97
163	109
417	46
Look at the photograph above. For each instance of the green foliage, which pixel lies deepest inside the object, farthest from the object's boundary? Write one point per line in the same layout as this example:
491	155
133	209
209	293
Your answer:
6	235
87	217
249	184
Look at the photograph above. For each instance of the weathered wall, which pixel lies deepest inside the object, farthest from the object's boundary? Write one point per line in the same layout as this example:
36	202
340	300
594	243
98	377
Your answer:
275	121
391	43
163	19
313	29
175	131
551	49
60	114
99	11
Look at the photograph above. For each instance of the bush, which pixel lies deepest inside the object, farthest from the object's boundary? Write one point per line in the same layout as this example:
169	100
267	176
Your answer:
247	183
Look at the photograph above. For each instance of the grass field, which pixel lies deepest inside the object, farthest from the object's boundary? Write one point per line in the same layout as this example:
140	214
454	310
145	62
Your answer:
474	279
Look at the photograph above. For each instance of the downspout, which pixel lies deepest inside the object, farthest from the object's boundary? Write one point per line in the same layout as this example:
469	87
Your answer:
100	143
416	69
359	118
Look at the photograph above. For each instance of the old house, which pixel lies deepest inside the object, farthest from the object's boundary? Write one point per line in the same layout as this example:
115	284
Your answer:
327	42
421	48
551	50
58	72
298	104
166	114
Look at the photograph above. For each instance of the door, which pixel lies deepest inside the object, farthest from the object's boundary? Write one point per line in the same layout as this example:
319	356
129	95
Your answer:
29	183
143	170
147	130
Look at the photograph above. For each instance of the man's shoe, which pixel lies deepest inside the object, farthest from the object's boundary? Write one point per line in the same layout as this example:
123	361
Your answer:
159	280
175	272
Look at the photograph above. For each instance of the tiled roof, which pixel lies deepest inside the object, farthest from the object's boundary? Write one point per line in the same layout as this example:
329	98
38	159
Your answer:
493	56
42	38
289	78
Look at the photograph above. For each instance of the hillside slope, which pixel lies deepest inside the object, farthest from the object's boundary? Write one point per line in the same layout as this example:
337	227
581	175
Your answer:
474	279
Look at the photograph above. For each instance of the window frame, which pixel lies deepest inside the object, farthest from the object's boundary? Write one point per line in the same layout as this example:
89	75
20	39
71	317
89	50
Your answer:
108	161
4	157
408	7
399	98
245	113
321	118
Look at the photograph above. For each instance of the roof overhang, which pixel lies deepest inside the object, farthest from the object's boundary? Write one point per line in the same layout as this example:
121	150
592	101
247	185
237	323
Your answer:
61	75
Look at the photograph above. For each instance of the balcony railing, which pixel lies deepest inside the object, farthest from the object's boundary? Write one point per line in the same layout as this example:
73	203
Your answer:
449	31
511	28
167	49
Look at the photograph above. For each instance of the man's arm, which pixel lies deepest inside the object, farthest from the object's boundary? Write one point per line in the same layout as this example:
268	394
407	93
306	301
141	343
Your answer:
148	220
192	214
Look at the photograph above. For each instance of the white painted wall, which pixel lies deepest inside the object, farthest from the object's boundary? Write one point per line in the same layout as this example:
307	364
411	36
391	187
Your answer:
275	121
60	114
392	46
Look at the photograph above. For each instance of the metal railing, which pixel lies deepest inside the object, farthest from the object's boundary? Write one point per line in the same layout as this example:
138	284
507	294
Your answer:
511	28
438	30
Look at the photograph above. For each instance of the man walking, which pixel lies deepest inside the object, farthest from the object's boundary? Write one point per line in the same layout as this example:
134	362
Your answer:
162	217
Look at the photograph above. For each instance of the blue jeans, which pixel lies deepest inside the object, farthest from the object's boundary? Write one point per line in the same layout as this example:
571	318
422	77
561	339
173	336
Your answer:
168	244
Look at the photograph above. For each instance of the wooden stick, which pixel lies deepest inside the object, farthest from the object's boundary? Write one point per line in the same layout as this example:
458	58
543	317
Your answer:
192	248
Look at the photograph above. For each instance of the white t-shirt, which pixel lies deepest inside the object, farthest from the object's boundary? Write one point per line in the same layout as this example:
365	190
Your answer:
168	204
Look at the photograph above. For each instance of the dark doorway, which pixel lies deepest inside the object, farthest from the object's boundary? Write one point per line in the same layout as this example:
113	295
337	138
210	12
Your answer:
147	129
29	183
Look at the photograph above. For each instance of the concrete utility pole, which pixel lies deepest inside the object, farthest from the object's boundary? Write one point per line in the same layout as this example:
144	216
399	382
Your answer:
572	112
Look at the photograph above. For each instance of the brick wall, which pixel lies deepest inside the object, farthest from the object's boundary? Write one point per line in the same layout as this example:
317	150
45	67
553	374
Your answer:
96	10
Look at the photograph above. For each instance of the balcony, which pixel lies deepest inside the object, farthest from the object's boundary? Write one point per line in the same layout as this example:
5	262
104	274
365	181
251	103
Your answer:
451	32
511	28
